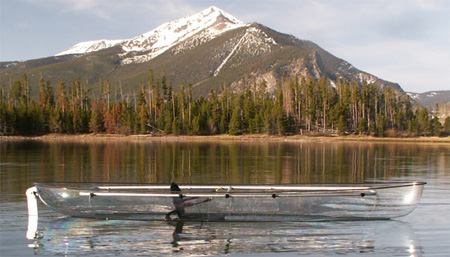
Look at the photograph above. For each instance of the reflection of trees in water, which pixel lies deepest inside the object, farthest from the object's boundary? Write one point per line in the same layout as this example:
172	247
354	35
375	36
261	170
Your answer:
214	162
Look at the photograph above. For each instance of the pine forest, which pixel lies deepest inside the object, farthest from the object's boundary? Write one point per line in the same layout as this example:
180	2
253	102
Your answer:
297	105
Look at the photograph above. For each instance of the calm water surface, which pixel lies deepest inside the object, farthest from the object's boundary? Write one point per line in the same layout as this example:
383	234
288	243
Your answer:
425	232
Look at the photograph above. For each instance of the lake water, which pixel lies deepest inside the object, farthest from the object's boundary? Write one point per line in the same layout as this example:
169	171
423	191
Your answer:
425	232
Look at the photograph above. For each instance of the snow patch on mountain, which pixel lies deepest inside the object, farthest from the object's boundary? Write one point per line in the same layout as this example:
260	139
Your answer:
369	79
228	57
253	42
90	46
204	25
414	96
422	96
171	32
432	94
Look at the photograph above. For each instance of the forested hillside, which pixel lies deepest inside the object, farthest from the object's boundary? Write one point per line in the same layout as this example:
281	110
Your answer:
298	106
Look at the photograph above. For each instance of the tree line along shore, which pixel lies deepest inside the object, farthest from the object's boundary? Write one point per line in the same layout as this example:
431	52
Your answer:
297	106
91	137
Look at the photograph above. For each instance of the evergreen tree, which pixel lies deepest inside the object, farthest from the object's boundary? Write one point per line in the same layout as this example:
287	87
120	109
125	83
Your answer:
362	126
43	98
96	122
62	100
435	126
235	126
423	122
143	119
341	125
381	126
235	121
50	95
446	126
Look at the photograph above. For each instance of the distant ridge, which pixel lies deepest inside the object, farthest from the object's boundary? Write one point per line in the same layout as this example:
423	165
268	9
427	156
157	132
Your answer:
431	99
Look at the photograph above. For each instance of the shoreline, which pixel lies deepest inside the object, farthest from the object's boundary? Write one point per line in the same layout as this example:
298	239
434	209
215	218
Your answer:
249	137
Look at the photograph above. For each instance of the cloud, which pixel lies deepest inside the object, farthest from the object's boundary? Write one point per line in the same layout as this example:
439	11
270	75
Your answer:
110	9
92	7
412	64
362	20
402	41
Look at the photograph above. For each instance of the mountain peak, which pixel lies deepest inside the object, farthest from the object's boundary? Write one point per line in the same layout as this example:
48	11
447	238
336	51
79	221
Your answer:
210	22
215	11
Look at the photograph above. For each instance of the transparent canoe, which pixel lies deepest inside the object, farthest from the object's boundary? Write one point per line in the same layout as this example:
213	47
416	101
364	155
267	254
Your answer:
292	202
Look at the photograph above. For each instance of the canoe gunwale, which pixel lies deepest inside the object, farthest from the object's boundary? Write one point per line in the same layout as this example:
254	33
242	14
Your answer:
230	188
360	193
227	191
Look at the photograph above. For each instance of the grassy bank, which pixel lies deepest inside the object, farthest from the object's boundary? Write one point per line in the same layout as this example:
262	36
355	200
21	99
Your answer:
251	137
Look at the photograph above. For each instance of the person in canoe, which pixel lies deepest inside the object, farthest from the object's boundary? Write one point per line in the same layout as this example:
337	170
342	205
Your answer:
180	203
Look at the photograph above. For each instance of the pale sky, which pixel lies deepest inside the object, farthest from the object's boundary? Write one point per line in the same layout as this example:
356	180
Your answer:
403	41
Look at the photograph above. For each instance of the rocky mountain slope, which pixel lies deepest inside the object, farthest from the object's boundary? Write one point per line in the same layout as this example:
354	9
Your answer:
208	49
433	98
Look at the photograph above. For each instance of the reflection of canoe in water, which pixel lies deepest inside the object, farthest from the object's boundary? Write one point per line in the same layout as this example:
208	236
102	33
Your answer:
293	202
84	237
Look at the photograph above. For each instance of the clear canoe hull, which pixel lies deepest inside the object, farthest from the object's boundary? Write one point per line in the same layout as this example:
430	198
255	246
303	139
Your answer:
293	202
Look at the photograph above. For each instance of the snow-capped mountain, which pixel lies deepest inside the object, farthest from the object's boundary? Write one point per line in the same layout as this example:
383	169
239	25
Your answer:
209	49
206	25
